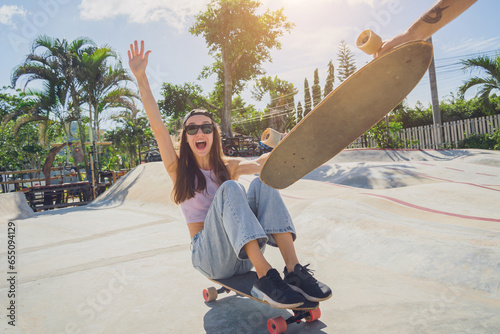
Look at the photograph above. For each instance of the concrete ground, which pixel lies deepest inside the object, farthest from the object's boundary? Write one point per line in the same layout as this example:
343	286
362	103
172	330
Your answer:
409	241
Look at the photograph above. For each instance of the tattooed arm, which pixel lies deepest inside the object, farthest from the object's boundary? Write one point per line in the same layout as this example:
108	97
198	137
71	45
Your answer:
439	15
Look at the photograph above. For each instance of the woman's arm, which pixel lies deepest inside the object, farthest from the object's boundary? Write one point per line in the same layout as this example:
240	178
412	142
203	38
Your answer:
242	166
439	15
138	61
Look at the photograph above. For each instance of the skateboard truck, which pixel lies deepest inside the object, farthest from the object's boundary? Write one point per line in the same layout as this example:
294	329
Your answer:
276	325
279	325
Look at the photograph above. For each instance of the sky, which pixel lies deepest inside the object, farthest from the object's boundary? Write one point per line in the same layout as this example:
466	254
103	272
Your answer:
178	57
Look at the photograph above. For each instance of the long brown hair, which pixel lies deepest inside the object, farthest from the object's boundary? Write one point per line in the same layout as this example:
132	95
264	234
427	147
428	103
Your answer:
188	171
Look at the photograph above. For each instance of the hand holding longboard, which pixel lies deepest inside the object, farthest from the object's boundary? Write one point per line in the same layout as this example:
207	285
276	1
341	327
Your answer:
349	111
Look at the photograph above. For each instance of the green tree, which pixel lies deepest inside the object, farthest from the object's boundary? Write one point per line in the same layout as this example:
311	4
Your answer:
127	138
300	111
20	149
281	105
178	100
412	117
347	64
316	89
307	98
246	119
330	79
488	84
453	108
240	107
456	107
240	40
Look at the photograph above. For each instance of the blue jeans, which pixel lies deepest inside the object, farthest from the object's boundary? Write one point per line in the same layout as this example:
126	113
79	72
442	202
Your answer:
233	219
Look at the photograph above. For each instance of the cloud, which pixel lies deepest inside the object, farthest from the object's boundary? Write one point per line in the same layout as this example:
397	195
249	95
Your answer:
304	51
175	13
471	45
286	3
8	12
178	13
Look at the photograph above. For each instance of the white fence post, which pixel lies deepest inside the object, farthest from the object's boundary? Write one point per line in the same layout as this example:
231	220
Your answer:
428	136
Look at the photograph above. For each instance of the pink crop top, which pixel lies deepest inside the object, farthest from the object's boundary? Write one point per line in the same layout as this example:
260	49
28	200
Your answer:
196	208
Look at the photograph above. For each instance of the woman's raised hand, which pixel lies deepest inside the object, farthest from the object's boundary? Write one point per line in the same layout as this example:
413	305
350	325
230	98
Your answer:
137	59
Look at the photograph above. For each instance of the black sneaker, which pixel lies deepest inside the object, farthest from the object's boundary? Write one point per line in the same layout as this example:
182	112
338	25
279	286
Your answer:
302	281
272	290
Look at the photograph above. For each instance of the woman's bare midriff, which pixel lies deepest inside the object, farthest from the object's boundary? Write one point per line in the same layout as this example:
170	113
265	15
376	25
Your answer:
194	228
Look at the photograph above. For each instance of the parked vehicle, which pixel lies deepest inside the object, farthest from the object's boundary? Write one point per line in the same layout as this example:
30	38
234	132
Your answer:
243	146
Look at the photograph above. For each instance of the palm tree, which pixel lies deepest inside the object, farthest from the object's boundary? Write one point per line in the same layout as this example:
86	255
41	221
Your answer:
41	106
101	90
100	84
488	84
30	107
55	62
75	74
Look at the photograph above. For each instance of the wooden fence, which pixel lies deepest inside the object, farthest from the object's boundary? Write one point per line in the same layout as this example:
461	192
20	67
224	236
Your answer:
448	135
31	176
58	196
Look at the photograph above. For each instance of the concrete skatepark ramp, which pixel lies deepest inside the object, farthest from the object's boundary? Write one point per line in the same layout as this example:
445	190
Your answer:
14	206
409	241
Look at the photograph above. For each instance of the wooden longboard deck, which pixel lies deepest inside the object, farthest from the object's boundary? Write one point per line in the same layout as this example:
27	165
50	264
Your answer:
242	285
347	113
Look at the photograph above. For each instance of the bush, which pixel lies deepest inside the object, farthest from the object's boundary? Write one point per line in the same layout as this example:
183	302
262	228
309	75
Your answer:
386	137
485	141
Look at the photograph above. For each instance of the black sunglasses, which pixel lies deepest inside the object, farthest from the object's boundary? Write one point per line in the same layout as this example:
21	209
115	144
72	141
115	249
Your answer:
192	129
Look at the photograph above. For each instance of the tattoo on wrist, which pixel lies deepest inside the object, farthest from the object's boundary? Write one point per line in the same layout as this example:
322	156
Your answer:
434	15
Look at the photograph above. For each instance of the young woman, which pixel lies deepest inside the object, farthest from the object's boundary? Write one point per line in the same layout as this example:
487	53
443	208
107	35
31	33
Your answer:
229	227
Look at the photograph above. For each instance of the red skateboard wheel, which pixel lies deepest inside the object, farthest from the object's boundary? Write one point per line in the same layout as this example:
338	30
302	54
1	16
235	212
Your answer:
210	294
313	315
276	325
